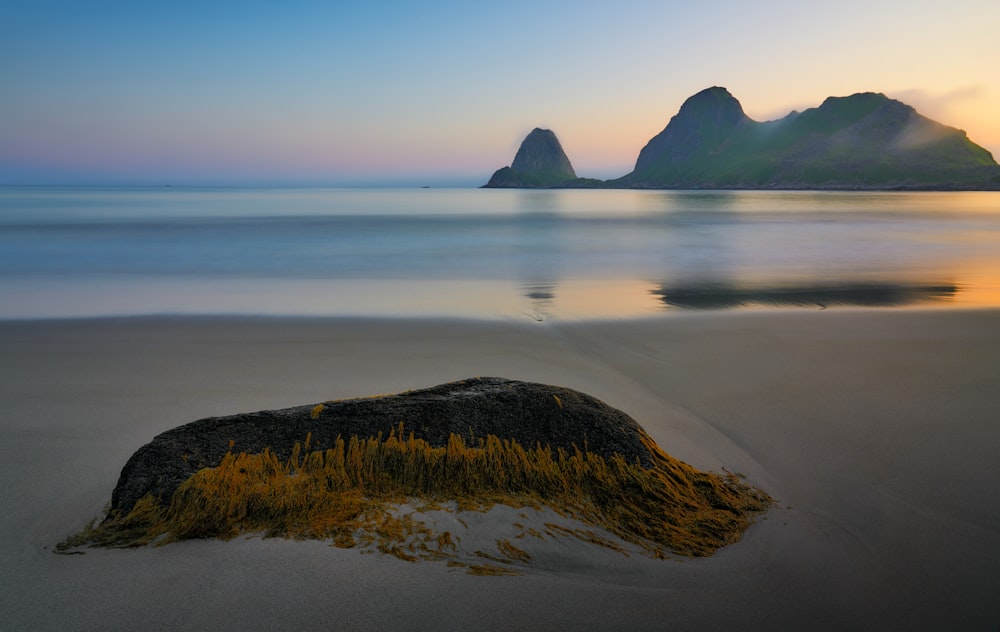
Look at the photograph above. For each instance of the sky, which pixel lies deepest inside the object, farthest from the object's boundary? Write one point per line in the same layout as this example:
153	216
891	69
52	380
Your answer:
441	92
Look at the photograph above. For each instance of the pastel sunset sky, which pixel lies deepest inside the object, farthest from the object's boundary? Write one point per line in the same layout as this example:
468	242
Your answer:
441	92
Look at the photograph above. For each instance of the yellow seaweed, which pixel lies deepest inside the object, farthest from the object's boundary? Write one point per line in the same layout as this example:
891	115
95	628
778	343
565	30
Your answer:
349	494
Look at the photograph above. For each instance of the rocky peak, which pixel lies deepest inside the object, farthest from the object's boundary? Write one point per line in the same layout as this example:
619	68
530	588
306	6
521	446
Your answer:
851	109
704	120
540	162
541	152
714	106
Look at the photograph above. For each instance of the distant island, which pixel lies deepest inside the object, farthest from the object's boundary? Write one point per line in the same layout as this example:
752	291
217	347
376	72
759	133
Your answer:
865	141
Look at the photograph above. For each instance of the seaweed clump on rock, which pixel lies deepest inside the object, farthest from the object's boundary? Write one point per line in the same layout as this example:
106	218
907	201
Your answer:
343	470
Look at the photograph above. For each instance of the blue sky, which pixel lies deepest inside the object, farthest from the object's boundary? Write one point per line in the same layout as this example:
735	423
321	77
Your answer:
263	92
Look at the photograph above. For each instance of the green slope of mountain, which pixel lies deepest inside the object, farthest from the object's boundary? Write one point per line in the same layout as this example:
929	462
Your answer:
865	140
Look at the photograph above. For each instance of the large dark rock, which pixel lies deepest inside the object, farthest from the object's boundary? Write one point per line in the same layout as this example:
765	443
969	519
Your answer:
526	412
540	162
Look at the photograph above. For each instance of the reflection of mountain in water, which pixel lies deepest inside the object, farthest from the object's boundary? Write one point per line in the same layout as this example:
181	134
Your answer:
541	295
717	296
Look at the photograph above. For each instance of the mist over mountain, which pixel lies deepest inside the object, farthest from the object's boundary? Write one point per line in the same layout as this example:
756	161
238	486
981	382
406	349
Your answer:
862	141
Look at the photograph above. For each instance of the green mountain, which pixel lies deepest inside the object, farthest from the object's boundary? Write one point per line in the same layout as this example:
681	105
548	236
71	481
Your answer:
540	162
863	141
866	140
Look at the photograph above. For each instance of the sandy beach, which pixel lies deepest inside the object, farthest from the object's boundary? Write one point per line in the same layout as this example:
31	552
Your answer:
877	432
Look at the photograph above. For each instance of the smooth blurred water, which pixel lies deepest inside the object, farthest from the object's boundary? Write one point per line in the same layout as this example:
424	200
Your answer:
478	252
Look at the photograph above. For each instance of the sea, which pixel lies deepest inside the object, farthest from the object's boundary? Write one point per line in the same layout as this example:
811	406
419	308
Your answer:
68	252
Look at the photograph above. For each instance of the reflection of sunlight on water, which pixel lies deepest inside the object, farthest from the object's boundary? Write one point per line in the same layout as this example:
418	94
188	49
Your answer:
491	299
538	254
980	287
603	298
48	298
52	297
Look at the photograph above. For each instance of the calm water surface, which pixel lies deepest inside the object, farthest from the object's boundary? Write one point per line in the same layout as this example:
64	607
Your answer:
488	253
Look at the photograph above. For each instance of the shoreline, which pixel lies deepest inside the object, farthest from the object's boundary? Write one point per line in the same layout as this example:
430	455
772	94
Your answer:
874	430
594	184
664	315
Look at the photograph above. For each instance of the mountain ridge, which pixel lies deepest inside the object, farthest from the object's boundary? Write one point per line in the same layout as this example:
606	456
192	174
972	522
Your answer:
862	141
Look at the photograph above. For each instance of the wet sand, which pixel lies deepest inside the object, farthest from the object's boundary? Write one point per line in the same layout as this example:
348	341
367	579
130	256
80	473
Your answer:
877	431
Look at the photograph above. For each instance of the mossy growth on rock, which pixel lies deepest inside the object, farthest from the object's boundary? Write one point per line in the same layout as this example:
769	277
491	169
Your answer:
351	491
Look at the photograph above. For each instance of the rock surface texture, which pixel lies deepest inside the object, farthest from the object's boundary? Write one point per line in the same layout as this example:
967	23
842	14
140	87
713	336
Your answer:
529	413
